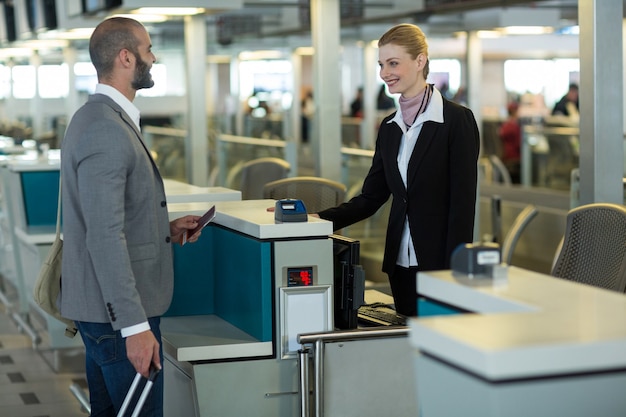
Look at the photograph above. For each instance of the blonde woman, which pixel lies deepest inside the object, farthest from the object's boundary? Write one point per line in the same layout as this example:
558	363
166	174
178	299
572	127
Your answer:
426	159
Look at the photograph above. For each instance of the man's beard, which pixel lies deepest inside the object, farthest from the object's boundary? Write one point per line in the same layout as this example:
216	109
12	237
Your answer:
143	79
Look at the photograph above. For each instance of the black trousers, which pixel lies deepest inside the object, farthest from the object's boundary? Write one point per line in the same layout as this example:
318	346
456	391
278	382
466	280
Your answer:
403	283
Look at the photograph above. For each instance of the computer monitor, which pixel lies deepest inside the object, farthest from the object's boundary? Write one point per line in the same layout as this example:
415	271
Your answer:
349	281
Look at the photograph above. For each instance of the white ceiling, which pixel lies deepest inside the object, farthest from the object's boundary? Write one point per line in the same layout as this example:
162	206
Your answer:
277	23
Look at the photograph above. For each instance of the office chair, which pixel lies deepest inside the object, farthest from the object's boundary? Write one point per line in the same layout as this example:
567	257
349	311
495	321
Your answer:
258	172
500	172
593	249
519	225
316	193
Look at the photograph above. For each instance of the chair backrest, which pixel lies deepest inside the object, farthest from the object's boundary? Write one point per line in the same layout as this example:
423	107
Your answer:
594	246
510	241
316	193
258	172
500	172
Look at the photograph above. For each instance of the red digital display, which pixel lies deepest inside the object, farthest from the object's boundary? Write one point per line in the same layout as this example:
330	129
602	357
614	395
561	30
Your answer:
300	277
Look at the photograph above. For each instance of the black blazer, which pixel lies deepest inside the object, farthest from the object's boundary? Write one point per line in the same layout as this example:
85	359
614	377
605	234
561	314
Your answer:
441	196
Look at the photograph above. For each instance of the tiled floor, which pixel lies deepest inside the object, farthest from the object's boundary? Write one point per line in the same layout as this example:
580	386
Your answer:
29	387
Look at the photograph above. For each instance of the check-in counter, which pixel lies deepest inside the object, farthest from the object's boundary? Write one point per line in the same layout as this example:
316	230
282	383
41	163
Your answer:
30	201
7	263
531	344
181	192
243	292
32	187
30	195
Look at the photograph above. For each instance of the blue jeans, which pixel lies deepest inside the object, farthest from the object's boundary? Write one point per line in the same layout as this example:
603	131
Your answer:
110	373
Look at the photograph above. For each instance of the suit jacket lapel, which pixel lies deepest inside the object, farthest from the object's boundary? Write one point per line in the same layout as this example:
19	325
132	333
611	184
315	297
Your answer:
143	144
424	141
126	118
393	144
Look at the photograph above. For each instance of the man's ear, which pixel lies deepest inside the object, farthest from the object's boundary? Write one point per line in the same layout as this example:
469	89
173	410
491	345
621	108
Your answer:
125	57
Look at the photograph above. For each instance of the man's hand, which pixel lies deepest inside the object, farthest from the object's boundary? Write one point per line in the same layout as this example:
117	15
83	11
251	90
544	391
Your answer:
142	349
181	225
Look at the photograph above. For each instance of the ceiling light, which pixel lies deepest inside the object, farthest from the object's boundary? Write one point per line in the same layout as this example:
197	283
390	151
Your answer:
218	59
526	30
171	11
305	50
488	34
145	18
71	34
35	45
260	55
15	52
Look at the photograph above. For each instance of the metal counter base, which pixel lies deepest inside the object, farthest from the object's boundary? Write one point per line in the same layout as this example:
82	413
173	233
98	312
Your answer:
360	372
207	355
445	390
234	387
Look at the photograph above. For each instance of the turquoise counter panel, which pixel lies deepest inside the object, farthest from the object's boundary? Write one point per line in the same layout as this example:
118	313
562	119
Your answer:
244	268
41	192
427	307
226	274
194	277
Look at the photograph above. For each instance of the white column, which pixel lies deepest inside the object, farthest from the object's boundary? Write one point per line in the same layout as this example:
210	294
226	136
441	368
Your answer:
196	148
624	89
234	93
71	101
326	135
10	106
474	81
474	75
370	92
601	102
36	105
294	133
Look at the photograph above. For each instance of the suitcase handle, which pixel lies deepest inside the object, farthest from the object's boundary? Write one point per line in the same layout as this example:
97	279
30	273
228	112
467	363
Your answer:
154	372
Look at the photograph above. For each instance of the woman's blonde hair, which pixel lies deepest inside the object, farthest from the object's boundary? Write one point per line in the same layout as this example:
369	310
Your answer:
411	38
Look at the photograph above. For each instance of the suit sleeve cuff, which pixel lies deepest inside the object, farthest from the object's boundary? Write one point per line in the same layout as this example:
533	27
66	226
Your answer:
137	328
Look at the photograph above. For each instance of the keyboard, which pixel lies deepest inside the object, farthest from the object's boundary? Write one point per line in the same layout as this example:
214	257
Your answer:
380	315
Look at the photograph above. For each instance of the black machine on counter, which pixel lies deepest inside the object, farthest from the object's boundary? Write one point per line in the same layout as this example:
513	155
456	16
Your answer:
349	281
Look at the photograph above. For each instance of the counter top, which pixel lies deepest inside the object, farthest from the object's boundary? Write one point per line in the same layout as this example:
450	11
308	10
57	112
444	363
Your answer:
37	235
251	217
208	337
180	192
38	164
528	325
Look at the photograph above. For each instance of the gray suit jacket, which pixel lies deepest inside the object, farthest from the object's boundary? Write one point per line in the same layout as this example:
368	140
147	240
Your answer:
117	259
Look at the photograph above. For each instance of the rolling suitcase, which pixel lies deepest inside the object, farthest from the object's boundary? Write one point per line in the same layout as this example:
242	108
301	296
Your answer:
154	372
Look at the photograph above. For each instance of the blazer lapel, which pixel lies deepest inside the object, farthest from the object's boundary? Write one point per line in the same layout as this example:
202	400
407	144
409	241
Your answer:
143	144
132	124
126	118
393	147
424	141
